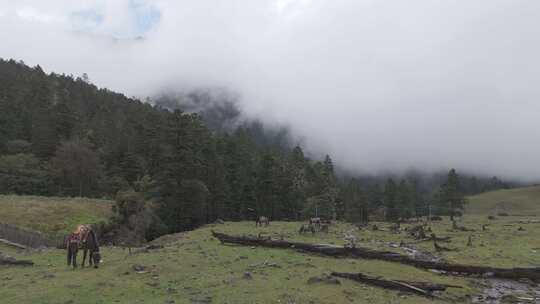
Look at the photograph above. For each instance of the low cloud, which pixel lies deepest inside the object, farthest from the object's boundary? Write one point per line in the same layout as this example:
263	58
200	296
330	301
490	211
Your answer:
381	85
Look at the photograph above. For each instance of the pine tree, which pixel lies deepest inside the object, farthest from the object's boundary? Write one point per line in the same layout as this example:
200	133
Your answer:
330	191
451	196
355	202
390	200
65	120
76	166
266	191
404	204
297	165
44	137
417	201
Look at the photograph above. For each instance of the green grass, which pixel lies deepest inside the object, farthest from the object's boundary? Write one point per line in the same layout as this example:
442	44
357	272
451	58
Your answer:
194	265
51	215
519	201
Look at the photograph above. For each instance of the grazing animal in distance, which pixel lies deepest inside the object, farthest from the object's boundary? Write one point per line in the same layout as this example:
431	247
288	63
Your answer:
306	228
262	220
316	222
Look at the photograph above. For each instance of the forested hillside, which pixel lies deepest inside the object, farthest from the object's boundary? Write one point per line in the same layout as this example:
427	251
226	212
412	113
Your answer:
171	170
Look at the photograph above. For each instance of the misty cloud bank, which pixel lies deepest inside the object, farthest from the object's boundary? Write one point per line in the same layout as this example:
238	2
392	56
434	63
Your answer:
381	85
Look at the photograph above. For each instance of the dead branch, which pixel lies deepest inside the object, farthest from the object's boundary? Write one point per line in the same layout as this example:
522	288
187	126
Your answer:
421	288
13	244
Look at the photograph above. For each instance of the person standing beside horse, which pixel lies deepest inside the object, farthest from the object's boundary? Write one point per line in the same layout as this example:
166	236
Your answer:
83	237
73	242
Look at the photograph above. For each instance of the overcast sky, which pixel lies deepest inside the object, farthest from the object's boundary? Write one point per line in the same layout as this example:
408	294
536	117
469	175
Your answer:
381	85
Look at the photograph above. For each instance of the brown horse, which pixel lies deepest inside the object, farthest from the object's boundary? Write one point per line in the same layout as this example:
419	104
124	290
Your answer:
90	244
86	238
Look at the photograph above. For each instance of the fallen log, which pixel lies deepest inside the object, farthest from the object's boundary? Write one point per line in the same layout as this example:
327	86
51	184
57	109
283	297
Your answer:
420	288
442	248
440	239
366	253
146	249
16	262
8	260
433	237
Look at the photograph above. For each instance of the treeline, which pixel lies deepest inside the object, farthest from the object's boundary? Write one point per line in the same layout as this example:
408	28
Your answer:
412	194
63	136
170	169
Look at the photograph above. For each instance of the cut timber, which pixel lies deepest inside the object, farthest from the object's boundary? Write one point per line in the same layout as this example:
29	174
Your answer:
420	288
366	253
9	243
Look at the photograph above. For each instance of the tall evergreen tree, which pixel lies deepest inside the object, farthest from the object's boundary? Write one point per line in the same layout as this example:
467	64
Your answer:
267	187
355	202
76	167
297	166
404	203
390	200
451	196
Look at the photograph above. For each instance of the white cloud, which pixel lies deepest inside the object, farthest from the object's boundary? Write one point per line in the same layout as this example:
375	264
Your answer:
379	84
31	14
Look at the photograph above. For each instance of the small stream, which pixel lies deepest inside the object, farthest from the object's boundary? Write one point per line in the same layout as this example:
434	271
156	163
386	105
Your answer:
495	291
508	291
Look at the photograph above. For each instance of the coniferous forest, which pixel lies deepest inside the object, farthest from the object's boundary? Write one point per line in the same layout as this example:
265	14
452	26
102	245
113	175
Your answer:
173	164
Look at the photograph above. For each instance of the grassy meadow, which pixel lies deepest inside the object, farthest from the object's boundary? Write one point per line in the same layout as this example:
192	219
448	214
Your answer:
51	215
518	201
193	267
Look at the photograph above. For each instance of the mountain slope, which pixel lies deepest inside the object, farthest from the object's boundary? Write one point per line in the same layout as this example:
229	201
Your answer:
518	201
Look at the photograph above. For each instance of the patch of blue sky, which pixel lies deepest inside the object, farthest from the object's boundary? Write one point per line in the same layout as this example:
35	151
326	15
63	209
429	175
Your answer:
86	20
146	16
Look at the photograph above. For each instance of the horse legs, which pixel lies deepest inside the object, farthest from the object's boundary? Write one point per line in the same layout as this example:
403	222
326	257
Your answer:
85	251
69	254
74	257
91	258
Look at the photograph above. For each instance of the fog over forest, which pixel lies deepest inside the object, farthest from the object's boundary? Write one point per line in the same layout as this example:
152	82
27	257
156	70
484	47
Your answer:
380	85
